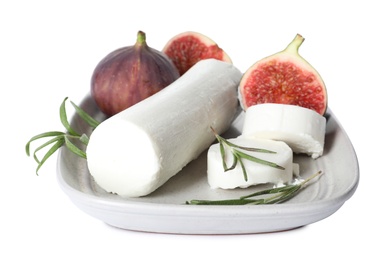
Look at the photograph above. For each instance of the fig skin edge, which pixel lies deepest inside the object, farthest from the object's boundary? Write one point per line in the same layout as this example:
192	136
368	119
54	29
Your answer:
289	55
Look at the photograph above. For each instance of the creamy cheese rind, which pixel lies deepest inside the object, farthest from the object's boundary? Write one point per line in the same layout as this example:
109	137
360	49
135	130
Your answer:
301	128
138	150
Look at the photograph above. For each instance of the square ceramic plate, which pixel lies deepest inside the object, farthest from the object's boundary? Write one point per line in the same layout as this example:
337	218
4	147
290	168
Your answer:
165	210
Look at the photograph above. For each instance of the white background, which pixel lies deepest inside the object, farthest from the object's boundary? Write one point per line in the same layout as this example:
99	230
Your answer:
48	50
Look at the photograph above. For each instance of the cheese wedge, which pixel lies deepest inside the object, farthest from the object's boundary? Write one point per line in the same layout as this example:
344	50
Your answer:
138	150
256	173
301	128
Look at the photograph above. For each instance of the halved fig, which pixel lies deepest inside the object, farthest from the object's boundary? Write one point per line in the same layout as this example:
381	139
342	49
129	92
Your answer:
284	78
187	48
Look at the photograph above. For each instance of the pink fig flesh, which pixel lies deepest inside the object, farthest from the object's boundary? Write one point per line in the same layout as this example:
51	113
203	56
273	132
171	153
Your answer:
187	48
284	78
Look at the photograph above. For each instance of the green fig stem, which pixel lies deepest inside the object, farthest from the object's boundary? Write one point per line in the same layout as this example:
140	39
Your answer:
141	38
295	44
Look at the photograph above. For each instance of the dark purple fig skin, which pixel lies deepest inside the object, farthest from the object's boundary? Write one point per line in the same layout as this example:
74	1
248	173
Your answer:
130	74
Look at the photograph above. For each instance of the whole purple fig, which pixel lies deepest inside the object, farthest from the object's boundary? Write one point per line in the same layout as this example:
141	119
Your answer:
130	74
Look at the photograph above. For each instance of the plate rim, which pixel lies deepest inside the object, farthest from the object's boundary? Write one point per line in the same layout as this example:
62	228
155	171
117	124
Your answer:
339	199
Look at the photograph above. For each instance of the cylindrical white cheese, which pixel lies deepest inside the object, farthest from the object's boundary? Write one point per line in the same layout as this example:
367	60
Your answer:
136	151
301	128
257	173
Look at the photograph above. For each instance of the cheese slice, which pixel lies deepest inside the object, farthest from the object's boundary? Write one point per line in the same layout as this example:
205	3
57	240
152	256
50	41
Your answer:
301	128
256	173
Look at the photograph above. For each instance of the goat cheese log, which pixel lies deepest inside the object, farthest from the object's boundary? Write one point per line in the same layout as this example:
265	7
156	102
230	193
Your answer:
301	128
137	150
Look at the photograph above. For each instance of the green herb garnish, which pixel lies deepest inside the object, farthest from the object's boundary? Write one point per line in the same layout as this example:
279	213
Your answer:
62	138
272	196
239	155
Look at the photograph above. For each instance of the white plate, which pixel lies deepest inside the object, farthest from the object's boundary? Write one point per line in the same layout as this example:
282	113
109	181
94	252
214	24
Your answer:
165	210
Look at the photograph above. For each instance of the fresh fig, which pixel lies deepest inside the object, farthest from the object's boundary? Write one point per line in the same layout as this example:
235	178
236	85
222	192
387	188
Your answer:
187	48
284	78
130	74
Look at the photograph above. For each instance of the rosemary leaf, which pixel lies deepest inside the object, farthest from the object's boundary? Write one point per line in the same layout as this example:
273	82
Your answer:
288	195
65	122
85	116
257	160
61	138
303	183
239	155
234	164
43	135
50	152
252	149
84	139
273	196
267	191
74	148
222	151
238	158
280	196
53	140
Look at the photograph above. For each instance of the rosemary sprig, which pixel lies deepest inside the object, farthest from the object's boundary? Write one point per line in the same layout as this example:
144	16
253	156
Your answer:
272	196
62	138
239	155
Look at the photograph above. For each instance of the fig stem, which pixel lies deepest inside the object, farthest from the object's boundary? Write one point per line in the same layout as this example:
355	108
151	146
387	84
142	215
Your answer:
141	38
295	44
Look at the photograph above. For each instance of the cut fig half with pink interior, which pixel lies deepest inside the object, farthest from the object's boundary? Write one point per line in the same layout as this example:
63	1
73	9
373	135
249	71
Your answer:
187	48
284	78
